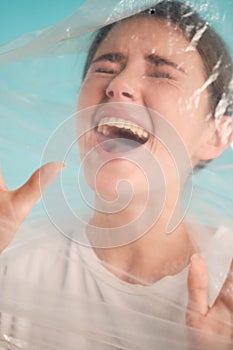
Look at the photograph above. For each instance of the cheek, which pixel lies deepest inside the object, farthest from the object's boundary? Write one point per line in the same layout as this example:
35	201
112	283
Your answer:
164	98
173	104
91	93
177	102
84	96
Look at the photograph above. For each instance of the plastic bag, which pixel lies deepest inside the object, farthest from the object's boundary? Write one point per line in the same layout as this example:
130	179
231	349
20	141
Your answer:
58	288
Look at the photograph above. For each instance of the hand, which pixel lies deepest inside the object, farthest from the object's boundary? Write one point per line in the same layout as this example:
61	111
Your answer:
213	322
16	205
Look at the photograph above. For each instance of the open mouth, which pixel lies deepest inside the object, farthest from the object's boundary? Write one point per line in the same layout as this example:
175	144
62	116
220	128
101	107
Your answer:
120	135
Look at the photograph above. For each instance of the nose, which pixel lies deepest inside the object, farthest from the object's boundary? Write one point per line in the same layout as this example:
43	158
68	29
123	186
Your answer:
123	87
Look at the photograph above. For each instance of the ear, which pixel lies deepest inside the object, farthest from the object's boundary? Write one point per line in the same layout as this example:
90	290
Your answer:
220	137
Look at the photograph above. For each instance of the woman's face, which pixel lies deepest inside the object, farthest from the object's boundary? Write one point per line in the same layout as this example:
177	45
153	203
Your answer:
147	62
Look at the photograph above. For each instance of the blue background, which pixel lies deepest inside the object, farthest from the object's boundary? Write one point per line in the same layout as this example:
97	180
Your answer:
20	16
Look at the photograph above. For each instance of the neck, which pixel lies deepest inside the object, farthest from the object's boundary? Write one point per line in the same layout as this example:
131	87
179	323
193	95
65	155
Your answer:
152	254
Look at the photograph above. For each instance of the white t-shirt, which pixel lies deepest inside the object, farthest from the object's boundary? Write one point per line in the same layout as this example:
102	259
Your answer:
57	294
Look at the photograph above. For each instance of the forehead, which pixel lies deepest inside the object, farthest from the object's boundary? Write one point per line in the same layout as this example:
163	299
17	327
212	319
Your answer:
149	35
146	32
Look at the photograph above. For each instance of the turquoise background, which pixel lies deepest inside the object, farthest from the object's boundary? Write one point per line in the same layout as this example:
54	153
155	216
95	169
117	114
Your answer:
20	16
24	137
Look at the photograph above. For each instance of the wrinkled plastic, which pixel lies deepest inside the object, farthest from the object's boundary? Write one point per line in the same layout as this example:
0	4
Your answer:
54	291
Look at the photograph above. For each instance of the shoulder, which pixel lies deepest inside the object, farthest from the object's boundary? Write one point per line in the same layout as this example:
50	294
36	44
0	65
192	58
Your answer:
37	251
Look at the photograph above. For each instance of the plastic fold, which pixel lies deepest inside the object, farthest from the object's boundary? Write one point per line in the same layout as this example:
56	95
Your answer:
55	292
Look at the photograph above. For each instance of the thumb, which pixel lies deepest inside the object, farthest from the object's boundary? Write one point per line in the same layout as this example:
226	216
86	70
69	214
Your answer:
48	172
198	285
26	196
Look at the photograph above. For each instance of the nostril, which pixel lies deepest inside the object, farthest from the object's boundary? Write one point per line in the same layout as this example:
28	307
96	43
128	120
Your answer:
127	94
120	93
109	93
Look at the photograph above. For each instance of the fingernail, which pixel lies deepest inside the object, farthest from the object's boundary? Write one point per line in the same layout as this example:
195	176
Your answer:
195	257
48	172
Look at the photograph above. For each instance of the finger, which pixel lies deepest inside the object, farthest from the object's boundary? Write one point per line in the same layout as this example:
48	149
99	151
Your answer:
198	285
3	185
226	294
48	172
27	195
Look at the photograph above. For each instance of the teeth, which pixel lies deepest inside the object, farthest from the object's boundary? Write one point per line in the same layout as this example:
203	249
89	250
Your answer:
106	122
105	130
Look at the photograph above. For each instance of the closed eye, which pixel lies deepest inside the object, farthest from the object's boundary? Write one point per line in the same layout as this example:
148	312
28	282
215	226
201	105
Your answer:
105	71
108	63
162	75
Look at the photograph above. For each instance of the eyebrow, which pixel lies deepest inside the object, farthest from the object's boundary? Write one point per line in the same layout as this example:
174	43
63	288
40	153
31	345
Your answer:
162	61
152	58
112	57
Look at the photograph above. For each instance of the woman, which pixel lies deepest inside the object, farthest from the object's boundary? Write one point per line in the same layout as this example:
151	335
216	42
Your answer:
147	75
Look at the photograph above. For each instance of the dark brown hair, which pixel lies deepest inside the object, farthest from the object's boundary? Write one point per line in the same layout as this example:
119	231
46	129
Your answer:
212	49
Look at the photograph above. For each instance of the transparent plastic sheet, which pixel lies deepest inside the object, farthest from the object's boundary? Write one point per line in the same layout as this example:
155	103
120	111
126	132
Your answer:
55	292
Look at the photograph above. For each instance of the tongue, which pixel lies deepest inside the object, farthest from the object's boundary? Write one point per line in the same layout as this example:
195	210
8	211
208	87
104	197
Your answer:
119	145
118	140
